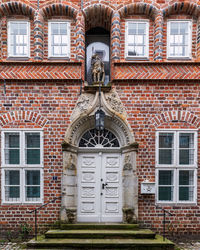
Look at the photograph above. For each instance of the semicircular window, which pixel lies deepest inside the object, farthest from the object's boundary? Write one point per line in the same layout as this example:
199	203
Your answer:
98	139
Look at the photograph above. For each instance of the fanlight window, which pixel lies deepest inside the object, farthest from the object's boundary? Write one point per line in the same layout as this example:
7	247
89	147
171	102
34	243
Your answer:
98	139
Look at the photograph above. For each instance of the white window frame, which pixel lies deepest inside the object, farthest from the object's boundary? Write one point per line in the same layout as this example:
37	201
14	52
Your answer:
176	167
22	167
28	38
50	55
189	55
146	56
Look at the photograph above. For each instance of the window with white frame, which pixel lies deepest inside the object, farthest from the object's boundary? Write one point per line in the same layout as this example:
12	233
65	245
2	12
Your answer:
59	39
179	39
137	39
18	38
22	166
176	164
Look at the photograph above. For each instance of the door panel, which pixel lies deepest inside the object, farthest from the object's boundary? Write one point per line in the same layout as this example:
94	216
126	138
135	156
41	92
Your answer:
88	187
99	188
111	198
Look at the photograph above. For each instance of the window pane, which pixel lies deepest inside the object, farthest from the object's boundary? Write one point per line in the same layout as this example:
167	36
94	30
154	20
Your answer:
132	28
32	185
166	140
165	177
12	188
33	156
186	177
12	140
186	140
141	28
12	177
186	155
183	28
14	28
23	29
63	28
165	156
33	192
165	194
12	193
54	29
33	177
32	140
174	28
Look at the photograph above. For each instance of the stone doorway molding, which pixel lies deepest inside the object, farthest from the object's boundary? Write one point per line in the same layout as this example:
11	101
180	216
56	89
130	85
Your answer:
82	119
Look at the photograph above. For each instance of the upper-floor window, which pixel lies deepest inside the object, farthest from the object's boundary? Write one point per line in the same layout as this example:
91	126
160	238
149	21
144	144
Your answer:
176	164
137	39
22	163
18	38
59	39
179	39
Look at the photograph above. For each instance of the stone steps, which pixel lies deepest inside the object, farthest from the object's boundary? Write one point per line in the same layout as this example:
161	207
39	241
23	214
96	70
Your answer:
100	236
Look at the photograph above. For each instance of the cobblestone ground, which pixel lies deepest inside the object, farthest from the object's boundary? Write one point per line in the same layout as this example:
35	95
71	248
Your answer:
182	246
193	245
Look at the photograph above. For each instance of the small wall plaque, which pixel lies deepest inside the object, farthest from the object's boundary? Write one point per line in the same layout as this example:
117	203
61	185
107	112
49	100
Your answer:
147	187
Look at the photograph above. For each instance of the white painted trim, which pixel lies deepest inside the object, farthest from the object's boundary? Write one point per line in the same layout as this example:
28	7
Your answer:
177	167
22	167
50	55
146	56
22	186
189	56
28	38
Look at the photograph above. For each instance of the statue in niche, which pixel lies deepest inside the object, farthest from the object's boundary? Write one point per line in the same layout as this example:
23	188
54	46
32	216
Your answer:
97	67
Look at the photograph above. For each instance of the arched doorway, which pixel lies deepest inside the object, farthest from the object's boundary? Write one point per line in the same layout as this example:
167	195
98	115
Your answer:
99	177
87	158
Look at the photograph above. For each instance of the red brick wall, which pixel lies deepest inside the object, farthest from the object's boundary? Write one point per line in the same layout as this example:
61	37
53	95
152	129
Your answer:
140	85
39	105
145	104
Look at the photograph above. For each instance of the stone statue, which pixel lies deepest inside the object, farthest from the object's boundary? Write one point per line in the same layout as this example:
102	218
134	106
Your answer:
98	72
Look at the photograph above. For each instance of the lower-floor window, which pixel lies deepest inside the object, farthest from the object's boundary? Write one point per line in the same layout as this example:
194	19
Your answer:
22	185
176	185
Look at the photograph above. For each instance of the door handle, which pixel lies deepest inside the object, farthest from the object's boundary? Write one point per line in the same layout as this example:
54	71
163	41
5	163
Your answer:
104	185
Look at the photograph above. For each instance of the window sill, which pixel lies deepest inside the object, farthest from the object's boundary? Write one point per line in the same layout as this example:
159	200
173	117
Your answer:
16	58
137	58
51	58
21	203
176	204
179	58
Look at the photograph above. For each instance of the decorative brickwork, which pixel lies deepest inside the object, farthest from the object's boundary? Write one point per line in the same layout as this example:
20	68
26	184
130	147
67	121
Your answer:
22	116
167	71
38	71
149	94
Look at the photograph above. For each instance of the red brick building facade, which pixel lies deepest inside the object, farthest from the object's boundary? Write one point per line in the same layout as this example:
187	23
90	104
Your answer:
154	53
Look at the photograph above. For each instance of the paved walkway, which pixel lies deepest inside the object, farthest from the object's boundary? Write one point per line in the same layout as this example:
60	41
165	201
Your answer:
193	245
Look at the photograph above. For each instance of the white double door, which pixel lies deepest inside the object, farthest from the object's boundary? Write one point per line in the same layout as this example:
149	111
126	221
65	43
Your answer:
99	187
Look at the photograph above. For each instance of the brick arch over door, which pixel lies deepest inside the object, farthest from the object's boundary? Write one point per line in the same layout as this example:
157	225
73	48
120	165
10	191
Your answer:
175	116
16	8
29	116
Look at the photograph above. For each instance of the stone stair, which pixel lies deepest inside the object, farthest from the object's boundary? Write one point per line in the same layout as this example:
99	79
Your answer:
100	236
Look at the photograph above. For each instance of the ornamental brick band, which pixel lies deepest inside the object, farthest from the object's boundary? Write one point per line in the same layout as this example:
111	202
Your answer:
40	71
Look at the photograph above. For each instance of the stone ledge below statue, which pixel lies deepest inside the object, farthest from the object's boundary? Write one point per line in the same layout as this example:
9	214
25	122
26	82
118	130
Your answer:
95	88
